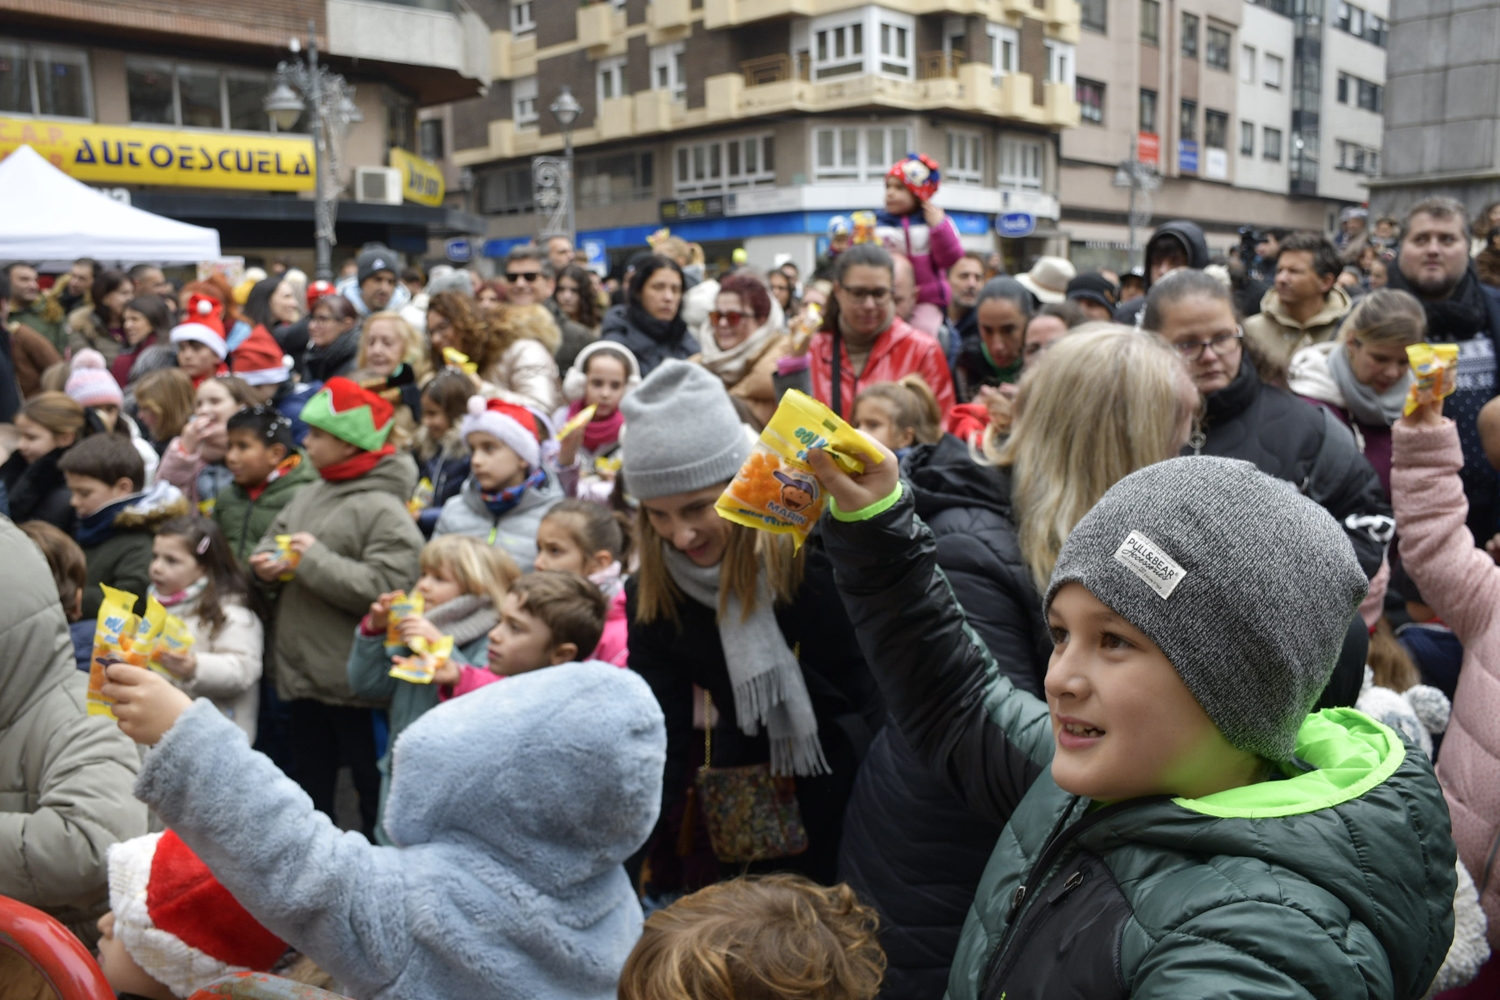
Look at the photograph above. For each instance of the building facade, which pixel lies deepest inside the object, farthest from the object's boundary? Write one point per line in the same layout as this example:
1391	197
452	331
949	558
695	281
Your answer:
752	122
162	100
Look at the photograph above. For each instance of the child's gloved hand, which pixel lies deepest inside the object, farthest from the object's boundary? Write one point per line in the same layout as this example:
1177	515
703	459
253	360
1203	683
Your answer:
380	611
418	626
146	703
852	493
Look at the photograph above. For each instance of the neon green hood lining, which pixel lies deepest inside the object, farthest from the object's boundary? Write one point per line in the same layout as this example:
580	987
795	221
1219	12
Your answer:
1352	753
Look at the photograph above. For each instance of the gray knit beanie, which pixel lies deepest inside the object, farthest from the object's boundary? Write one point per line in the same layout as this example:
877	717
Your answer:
681	433
1247	586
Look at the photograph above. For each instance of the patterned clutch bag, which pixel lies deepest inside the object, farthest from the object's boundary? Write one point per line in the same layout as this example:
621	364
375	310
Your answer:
752	815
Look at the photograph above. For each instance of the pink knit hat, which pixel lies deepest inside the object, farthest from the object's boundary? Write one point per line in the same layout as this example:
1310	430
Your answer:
90	383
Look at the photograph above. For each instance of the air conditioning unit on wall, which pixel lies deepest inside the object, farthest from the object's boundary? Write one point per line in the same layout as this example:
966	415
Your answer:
377	185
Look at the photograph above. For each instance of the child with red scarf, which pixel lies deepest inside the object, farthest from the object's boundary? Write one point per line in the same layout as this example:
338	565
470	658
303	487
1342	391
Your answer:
351	540
588	460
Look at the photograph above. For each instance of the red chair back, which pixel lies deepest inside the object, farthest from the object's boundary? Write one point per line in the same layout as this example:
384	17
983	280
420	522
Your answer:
53	951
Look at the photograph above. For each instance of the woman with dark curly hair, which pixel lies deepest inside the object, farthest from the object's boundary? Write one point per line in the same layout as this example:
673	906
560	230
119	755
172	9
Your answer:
577	297
454	320
509	349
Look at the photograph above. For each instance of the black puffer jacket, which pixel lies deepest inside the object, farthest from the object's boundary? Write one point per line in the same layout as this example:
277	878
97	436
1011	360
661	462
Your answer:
1305	445
38	491
911	848
651	341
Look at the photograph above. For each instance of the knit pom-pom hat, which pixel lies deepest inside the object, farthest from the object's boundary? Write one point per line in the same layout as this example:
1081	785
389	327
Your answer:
91	384
350	413
919	173
514	426
204	325
179	924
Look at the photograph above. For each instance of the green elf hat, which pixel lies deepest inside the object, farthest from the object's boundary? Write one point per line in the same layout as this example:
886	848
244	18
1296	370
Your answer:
350	414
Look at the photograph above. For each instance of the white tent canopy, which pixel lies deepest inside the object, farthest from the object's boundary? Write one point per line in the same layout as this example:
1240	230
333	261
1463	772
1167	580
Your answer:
50	217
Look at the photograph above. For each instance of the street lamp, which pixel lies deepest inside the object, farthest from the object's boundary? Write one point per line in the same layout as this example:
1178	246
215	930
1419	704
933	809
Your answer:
566	110
330	111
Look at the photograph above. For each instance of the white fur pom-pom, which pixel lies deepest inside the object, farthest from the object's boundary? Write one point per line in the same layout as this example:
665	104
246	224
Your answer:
476	405
1430	705
88	358
204	307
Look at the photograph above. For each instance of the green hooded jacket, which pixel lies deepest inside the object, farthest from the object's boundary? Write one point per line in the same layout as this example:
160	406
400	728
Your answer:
244	521
1333	882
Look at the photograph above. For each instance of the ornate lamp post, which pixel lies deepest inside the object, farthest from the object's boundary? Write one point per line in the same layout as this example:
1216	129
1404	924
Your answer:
330	111
552	178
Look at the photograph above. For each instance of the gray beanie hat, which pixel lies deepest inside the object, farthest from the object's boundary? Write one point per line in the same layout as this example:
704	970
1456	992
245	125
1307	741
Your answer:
1247	586
681	433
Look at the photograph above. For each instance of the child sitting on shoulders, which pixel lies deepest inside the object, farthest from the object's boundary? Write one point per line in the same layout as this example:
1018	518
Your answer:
508	489
912	225
71	574
268	471
583	538
442	457
777	937
588	461
548	618
196	578
899	414
463	585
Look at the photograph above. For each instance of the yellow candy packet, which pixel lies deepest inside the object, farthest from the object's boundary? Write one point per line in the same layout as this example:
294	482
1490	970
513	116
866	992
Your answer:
148	628
425	660
579	420
775	489
1436	369
285	553
403	607
454	358
421	498
864	226
114	635
175	639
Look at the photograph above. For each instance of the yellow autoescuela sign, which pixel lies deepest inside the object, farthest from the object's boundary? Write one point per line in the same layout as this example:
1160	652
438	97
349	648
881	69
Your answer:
119	154
421	180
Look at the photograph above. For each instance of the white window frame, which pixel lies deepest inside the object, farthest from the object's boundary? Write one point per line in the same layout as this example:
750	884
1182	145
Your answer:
1265	143
1062	62
523	107
1247	131
1247	64
869	163
522	17
866	40
896	53
1005	50
669	60
1103	98
1021	165
965	162
609	76
177	66
1273	77
29	51
725	164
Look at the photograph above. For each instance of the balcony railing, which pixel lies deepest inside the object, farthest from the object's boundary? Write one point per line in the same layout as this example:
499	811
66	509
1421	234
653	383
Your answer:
775	69
938	65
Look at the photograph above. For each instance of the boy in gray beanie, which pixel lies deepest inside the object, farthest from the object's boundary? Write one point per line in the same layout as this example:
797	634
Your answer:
1177	823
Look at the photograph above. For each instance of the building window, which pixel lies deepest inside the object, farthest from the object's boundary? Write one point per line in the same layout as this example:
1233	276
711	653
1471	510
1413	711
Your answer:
1090	98
1270	144
522	16
1344	80
430	138
400	123
668	69
1350	18
1376	30
965	158
1150	22
611	76
1215	129
1247	138
1148	111
1020	165
1187	121
1273	71
45	80
523	101
1060	62
506	192
838	50
1094	15
852	152
1189	35
1358	159
720	164
1218	48
1247	64
895	49
1005	47
1362	93
165	93
615	179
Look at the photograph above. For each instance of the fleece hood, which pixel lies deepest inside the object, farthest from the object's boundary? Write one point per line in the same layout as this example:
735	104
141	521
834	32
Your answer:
1187	235
566	763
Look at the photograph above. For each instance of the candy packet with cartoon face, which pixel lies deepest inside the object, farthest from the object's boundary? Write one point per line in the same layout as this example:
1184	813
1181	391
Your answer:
775	490
403	607
424	662
1436	369
114	640
285	553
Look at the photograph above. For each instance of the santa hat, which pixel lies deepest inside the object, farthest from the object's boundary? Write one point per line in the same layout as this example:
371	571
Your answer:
317	290
514	426
90	383
350	413
180	925
919	173
204	325
259	360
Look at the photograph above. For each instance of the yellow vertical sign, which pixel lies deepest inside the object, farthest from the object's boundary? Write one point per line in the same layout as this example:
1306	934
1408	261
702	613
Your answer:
421	180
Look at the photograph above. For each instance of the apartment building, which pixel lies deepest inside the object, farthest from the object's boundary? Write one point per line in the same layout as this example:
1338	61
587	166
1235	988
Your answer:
1252	114
162	100
753	122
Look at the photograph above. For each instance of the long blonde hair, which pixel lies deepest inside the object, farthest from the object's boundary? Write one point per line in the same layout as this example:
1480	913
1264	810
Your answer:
478	568
1385	316
747	553
1102	404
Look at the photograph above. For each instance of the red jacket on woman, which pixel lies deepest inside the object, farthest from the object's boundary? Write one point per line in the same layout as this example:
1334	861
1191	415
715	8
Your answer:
899	351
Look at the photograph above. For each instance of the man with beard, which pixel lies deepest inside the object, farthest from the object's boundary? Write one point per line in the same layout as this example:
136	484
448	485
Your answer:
1433	264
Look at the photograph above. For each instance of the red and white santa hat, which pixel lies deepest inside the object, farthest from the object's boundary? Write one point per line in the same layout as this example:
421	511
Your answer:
180	925
260	361
515	426
204	325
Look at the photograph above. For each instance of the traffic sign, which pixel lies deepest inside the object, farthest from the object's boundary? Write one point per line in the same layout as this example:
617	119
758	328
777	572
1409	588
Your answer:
1015	225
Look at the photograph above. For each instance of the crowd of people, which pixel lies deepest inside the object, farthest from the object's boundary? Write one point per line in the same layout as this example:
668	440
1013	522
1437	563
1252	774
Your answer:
1145	654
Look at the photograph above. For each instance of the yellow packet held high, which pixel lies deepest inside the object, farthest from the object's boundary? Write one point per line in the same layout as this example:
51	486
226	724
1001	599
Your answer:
454	358
285	553
424	662
1436	369
775	489
114	635
175	639
404	607
579	421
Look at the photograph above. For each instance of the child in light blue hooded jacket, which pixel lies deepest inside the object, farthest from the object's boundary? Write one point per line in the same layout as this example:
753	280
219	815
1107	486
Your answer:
512	808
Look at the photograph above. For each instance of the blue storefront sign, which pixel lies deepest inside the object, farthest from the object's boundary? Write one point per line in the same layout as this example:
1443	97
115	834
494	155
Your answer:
459	250
1187	155
1015	225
